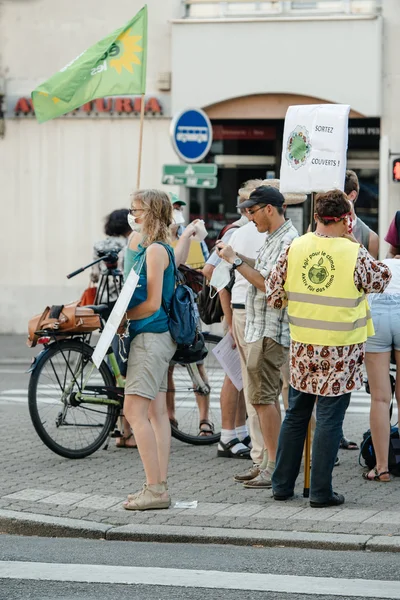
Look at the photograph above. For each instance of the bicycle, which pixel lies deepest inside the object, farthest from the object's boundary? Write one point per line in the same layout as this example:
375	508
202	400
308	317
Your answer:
74	407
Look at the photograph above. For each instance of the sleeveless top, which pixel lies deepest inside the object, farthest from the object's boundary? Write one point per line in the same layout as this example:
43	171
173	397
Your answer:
158	322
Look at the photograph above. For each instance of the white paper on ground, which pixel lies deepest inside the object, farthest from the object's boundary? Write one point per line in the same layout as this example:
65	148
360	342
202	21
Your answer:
115	318
229	360
314	148
186	504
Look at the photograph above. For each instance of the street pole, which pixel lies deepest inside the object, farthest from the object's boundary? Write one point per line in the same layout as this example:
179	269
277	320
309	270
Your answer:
312	210
140	141
307	445
307	462
383	225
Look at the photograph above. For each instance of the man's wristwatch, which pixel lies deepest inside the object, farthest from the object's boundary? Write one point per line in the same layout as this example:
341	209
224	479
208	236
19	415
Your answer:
237	262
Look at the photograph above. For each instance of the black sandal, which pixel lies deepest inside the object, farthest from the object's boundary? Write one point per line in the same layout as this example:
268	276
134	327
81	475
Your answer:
377	476
209	430
226	451
346	444
247	441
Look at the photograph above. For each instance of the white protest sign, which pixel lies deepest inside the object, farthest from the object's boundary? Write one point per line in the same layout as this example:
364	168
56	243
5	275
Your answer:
115	318
314	148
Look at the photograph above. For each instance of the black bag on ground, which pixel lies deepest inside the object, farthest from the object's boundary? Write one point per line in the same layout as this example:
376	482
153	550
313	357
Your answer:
367	451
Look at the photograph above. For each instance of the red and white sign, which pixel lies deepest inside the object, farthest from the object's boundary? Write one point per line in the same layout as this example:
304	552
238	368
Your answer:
111	107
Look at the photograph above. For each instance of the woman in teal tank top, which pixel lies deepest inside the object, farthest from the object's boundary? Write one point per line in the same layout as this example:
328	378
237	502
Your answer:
152	347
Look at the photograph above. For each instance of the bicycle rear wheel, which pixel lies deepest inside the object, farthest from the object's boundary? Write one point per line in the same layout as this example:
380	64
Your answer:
68	427
188	402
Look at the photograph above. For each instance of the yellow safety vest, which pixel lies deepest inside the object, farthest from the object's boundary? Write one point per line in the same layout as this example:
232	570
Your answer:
325	307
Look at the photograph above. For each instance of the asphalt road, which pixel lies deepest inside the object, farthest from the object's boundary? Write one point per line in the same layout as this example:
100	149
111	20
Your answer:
177	571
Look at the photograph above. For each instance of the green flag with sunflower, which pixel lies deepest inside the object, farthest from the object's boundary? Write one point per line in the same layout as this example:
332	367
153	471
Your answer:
115	65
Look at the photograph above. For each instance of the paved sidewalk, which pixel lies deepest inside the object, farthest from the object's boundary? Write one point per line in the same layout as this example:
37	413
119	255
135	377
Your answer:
36	481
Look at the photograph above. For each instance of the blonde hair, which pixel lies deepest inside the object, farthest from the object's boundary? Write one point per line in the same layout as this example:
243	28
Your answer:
248	187
157	217
290	198
252	184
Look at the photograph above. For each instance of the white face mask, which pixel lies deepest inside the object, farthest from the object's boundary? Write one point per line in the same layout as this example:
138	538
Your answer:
221	276
133	225
178	217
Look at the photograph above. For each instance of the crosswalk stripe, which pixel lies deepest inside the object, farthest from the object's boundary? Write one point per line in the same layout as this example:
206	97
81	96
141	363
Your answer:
188	578
360	400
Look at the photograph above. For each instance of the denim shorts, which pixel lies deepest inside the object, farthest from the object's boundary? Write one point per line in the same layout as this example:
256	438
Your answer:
385	310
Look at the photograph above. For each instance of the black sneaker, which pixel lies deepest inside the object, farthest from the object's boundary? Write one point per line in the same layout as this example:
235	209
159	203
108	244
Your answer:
334	500
282	498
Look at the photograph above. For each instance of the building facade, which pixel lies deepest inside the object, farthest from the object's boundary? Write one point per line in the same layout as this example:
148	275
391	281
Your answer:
243	62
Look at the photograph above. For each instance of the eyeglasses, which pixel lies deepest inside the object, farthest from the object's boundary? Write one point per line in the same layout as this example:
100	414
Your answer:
251	212
133	211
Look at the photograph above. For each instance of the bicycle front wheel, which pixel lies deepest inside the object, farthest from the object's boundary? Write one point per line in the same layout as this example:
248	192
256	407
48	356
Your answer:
192	404
68	426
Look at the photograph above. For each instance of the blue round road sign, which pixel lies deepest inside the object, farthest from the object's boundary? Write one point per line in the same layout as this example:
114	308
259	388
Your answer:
191	134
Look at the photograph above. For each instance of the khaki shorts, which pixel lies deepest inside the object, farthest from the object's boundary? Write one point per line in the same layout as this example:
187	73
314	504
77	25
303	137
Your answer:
149	357
264	361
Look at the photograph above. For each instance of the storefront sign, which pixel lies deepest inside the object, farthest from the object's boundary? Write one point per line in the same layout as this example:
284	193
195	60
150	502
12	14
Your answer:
102	107
238	132
314	148
364	131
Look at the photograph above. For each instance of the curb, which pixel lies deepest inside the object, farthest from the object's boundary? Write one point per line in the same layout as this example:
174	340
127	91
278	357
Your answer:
31	524
42	525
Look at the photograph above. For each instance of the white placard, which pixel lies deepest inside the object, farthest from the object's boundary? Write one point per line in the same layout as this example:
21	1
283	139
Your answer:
115	318
314	148
229	359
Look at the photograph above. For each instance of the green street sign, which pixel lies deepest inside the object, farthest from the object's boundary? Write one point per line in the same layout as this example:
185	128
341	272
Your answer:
194	176
199	170
192	182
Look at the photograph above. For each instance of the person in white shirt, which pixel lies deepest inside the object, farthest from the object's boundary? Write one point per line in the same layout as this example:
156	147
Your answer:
246	240
235	441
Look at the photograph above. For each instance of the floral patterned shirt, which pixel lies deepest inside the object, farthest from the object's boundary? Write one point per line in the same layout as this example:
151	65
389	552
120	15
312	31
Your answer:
328	370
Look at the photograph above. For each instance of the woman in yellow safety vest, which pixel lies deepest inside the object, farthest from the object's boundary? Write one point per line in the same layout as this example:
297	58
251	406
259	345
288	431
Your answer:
323	277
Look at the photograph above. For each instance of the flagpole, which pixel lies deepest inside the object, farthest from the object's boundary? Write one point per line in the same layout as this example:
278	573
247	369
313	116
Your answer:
140	141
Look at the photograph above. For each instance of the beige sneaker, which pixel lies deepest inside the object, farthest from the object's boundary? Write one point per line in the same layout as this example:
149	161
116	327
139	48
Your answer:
136	494
149	498
262	481
247	475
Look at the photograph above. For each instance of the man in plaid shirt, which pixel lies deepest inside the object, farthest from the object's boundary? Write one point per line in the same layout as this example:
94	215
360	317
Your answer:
267	329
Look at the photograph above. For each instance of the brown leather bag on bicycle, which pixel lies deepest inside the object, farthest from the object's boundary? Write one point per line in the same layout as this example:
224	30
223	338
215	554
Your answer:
68	319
